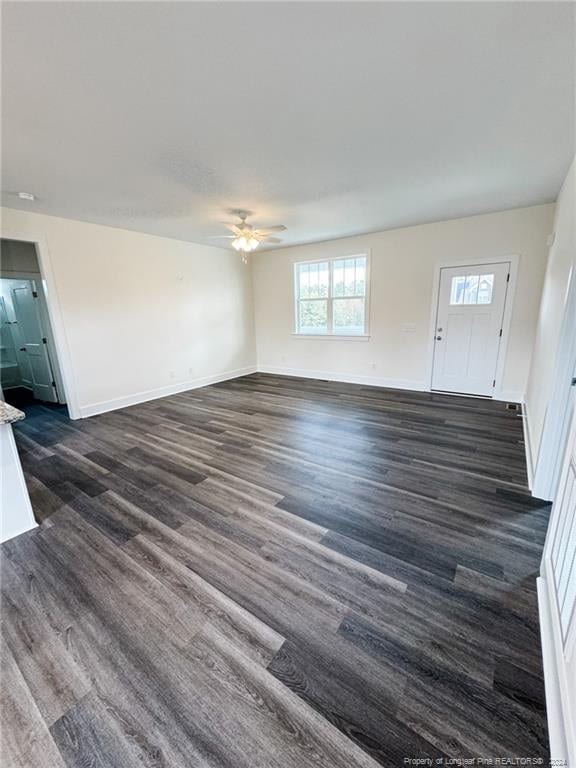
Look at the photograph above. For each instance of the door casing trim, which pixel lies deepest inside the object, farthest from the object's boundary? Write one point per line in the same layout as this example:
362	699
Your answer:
55	317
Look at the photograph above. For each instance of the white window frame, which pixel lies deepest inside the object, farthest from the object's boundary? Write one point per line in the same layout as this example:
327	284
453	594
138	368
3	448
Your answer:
330	299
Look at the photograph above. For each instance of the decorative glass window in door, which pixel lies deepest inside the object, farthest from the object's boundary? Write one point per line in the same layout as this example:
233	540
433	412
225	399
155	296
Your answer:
472	289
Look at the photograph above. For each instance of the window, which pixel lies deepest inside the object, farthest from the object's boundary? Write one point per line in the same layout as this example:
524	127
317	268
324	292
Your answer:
472	289
331	297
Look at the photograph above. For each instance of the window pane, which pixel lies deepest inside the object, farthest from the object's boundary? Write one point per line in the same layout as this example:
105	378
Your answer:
348	316
313	316
339	277
323	279
303	281
485	288
360	276
313	280
349	277
313	272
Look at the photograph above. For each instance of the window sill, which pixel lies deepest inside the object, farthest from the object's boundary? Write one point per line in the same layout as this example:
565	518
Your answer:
332	336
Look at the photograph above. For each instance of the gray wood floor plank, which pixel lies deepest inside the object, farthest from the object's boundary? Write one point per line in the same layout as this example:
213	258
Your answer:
53	679
274	571
26	740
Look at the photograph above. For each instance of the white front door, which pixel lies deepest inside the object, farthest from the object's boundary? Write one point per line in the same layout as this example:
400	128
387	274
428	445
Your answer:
34	346
468	328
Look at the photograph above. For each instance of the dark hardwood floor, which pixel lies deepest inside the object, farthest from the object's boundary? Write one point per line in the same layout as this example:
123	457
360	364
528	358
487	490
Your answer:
274	572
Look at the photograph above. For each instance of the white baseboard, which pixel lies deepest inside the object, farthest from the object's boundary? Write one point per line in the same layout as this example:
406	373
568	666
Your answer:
17	532
527	446
554	708
153	394
372	381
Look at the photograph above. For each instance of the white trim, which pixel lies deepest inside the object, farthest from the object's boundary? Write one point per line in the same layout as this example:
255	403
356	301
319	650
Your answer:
54	314
153	394
514	261
527	445
345	378
556	716
332	336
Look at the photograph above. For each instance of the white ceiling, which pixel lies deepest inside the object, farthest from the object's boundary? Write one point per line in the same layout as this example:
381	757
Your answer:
331	118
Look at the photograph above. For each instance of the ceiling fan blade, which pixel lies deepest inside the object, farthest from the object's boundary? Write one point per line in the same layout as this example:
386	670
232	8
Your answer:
233	228
275	228
222	237
271	240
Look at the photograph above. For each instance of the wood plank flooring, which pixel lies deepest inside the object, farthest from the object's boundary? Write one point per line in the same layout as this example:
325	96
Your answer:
274	572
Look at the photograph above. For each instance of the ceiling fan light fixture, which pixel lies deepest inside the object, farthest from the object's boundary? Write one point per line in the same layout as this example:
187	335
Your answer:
246	238
245	244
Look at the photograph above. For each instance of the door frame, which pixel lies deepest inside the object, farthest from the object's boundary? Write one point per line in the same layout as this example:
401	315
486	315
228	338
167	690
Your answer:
558	651
514	261
53	306
548	462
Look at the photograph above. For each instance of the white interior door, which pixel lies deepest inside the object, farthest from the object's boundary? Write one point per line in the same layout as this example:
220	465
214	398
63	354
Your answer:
471	302
25	302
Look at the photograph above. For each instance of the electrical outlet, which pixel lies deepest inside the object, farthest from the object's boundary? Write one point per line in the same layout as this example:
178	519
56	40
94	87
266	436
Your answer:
172	374
373	366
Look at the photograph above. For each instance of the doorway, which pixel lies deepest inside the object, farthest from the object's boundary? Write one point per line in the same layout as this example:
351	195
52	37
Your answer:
469	327
29	366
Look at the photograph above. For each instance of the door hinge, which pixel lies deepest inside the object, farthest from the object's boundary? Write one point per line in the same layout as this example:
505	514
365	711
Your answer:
34	294
45	341
54	384
508	277
494	383
500	331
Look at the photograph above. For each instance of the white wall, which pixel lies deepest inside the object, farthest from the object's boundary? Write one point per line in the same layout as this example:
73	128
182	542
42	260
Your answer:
139	316
402	276
561	260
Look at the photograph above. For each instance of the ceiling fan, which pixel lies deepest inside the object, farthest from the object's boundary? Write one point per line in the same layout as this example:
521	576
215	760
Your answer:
246	237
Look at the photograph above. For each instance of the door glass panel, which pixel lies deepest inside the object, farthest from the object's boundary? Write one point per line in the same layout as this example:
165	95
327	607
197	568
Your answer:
485	288
471	289
457	289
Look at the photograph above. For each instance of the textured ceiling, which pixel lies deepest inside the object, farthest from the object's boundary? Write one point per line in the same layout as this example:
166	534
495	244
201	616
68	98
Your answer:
331	118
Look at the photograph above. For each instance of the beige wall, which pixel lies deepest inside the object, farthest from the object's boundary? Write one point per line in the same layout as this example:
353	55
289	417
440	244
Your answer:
140	316
402	282
143	316
561	260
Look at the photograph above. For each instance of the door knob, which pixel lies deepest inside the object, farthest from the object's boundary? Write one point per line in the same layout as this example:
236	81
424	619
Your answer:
438	338
22	349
